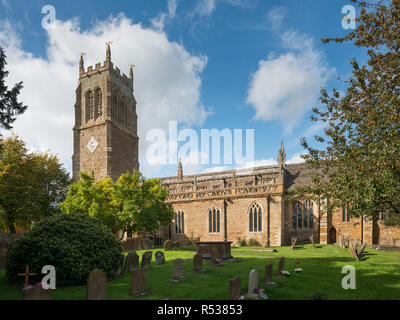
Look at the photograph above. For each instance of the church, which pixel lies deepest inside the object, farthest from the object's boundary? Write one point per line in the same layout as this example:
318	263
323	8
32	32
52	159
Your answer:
247	205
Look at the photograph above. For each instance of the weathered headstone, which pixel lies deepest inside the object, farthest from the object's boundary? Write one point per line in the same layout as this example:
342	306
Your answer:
175	245
235	285
268	276
198	263
353	249
36	293
131	261
178	270
167	245
146	259
364	245
96	285
297	263
293	242
312	240
253	283
160	258
138	283
213	256
281	265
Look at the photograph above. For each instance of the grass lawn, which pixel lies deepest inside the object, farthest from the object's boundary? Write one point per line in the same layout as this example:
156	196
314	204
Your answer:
377	276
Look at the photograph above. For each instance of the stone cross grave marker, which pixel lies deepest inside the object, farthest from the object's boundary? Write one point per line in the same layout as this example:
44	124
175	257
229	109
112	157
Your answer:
198	263
96	285
138	283
131	261
235	285
167	245
253	283
146	259
160	258
178	270
281	265
26	274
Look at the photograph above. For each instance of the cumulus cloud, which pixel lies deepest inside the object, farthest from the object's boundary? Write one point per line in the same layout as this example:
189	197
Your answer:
285	87
167	80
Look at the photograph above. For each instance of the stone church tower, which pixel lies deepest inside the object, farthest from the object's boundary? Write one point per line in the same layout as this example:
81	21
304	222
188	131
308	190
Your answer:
105	131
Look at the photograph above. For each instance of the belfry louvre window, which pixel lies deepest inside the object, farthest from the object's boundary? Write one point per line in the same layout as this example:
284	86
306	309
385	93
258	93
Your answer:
89	106
302	215
98	103
180	222
255	218
214	220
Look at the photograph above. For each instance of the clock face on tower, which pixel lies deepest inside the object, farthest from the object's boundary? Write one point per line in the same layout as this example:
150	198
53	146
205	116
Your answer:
92	144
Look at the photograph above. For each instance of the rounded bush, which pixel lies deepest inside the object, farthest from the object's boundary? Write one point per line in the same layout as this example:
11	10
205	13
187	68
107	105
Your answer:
74	244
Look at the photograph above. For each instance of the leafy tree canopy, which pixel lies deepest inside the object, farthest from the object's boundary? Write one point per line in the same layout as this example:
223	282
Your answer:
359	164
132	203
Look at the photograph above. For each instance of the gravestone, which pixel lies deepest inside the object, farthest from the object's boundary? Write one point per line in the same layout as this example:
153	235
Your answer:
178	268
353	249
213	256
268	275
253	283
235	285
146	259
198	263
312	240
131	261
297	263
167	245
293	242
138	283
364	245
96	285
281	265
175	245
160	258
36	293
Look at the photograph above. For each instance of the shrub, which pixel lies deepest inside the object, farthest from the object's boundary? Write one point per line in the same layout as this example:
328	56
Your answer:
253	243
243	243
73	244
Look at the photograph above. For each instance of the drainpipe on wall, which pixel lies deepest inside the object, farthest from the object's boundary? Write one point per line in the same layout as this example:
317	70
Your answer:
225	219
268	222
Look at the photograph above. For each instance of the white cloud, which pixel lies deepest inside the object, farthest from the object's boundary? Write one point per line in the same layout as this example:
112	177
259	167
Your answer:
276	16
167	80
205	7
285	87
159	21
243	3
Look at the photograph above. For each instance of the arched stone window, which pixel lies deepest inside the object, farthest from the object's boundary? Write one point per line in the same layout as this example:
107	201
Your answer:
98	100
302	215
214	220
89	106
294	215
180	222
255	218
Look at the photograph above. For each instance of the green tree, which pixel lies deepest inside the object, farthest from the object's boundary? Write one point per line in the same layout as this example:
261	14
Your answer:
31	184
9	105
132	203
359	163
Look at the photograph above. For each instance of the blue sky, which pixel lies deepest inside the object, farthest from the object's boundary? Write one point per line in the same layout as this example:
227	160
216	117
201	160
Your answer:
236	64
